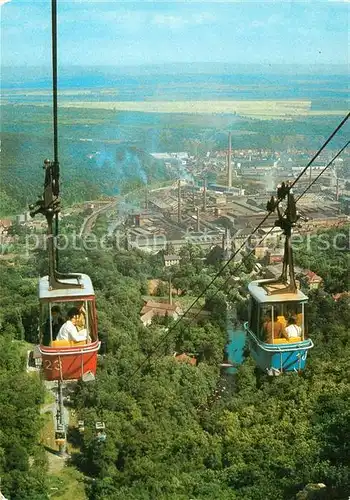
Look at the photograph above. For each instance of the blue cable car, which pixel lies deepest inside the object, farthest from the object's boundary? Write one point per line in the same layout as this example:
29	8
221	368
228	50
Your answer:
272	351
277	326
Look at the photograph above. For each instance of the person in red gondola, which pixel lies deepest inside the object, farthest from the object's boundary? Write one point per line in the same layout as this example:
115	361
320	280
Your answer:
69	330
56	322
81	321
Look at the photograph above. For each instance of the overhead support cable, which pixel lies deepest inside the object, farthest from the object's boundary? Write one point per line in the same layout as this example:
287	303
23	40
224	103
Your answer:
54	78
56	166
323	170
335	131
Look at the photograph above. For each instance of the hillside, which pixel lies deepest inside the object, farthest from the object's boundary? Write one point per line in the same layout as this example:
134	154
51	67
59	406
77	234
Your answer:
169	434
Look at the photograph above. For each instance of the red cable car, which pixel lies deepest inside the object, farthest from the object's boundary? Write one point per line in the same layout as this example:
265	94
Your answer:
68	359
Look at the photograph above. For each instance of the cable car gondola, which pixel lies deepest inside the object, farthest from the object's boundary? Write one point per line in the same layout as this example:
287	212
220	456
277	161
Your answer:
277	326
101	435
68	359
60	435
71	356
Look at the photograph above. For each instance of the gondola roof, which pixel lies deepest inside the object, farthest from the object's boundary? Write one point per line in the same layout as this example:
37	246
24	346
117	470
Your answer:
257	289
86	290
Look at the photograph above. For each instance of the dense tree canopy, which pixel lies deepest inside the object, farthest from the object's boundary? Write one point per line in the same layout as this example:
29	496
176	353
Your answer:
174	430
20	397
327	253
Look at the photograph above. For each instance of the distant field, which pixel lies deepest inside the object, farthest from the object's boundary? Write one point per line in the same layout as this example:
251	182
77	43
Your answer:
268	109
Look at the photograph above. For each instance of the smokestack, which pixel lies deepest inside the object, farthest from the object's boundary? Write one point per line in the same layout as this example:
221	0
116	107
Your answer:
337	190
198	222
179	201
205	195
229	171
170	292
226	243
146	198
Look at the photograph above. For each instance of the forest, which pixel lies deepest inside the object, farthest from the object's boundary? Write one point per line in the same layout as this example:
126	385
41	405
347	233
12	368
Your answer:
177	431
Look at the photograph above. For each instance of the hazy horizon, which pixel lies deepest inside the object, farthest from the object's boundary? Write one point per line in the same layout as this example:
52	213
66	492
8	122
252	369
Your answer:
30	74
138	33
195	66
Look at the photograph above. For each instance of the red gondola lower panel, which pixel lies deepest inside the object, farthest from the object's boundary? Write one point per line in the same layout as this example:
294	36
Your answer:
69	363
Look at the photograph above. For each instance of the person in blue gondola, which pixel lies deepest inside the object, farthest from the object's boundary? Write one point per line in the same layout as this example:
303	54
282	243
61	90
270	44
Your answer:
69	330
272	329
292	329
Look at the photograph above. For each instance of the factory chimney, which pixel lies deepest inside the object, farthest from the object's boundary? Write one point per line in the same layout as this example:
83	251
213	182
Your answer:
179	201
229	170
170	292
337	190
226	244
146	198
198	221
127	240
205	195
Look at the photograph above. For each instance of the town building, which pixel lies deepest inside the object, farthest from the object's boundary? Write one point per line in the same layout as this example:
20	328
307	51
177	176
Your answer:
313	281
162	309
171	260
342	295
5	225
184	358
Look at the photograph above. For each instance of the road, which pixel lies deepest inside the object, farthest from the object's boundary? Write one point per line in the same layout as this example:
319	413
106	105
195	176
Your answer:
91	219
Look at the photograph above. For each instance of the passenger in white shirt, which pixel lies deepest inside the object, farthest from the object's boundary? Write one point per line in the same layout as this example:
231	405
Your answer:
292	329
69	331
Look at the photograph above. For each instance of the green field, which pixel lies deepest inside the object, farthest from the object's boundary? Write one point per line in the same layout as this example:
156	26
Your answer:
261	109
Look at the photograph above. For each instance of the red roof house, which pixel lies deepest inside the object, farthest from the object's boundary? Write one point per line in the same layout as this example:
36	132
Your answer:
185	359
151	309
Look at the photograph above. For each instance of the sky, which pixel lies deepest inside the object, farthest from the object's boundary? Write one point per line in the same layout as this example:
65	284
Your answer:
119	33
